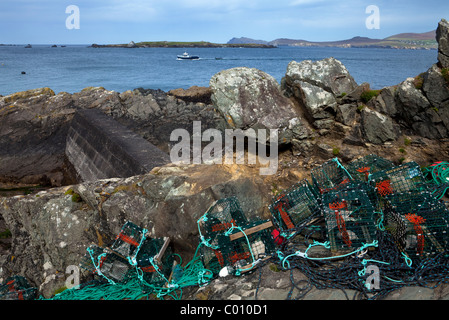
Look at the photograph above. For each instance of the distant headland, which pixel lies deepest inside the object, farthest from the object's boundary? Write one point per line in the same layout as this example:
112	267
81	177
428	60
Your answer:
424	40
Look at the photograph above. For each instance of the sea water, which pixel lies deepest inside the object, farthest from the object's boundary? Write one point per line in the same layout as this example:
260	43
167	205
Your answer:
75	67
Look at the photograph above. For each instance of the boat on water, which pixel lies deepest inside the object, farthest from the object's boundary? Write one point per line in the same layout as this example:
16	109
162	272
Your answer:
186	56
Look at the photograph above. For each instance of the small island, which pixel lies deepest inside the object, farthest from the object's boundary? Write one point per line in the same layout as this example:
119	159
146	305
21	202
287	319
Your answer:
181	44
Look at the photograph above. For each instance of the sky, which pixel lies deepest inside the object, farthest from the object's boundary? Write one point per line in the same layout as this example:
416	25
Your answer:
122	21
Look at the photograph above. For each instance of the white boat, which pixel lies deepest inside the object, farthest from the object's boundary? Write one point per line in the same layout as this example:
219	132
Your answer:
186	56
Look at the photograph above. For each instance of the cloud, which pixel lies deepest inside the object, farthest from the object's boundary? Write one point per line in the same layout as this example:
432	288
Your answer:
120	10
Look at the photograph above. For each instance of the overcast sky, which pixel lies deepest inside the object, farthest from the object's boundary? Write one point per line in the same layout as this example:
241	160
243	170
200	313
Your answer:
120	21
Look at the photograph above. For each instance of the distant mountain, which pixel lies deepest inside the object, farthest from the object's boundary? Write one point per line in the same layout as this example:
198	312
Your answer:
424	40
244	40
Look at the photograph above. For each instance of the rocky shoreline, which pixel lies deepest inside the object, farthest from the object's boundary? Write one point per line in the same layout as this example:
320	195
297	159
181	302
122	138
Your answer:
318	109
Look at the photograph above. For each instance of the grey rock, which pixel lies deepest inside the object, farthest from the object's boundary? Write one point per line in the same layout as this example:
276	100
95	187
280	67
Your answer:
377	128
435	88
248	98
442	37
417	113
346	113
316	85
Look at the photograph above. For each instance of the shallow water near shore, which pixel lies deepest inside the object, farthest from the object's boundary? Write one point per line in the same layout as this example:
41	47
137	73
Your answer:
72	68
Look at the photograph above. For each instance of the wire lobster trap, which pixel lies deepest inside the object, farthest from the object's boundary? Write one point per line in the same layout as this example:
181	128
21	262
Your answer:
403	178
219	218
155	261
418	223
330	176
106	264
129	240
295	207
350	219
132	253
361	169
241	248
17	288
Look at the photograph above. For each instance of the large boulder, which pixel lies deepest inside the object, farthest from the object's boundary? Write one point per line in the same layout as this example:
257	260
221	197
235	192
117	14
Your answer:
316	85
417	113
436	89
442	37
377	128
249	98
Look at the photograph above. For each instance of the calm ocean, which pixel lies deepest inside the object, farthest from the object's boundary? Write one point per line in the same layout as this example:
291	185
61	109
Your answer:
73	68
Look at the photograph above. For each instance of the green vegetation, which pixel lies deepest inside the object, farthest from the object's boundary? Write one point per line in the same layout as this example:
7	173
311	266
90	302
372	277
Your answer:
335	151
75	196
402	150
418	81
407	142
5	234
368	95
59	290
20	190
445	73
361	107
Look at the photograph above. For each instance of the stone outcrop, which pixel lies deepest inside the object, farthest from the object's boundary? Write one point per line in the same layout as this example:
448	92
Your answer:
248	98
442	37
316	85
33	128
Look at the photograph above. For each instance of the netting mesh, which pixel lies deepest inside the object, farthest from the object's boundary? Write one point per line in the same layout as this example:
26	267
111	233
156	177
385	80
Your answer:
295	207
155	269
418	223
105	263
128	240
350	218
221	216
17	288
362	168
403	178
330	176
132	254
231	240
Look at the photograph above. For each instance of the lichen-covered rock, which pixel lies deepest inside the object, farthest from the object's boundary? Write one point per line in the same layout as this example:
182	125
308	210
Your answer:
250	98
316	85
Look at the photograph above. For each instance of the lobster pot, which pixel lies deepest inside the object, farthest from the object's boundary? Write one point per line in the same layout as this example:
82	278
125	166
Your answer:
295	207
362	168
212	259
330	176
221	216
350	219
404	178
243	247
418	223
150	257
128	240
105	263
17	288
